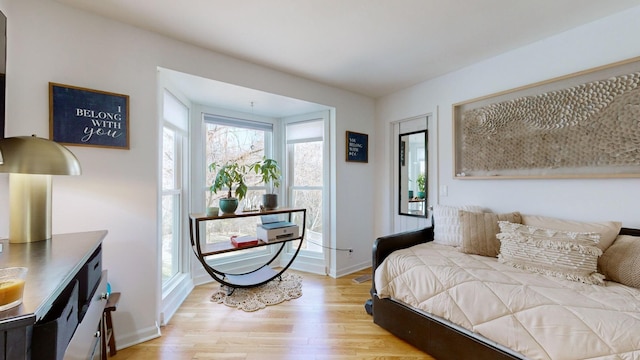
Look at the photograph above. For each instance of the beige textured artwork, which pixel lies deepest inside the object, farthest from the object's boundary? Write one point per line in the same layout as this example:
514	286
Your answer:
588	126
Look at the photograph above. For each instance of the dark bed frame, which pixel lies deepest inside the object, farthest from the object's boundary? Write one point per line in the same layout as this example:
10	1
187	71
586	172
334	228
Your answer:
430	335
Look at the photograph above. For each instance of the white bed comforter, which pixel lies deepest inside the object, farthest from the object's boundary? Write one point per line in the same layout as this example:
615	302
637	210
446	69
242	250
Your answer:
539	316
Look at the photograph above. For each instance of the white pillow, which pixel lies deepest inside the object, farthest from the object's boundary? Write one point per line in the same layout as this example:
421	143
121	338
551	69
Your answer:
446	223
608	230
565	254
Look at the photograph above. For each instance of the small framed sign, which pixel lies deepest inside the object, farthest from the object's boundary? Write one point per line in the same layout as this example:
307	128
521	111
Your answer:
357	147
79	116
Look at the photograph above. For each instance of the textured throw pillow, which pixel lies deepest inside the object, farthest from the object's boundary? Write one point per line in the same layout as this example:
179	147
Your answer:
446	223
621	261
566	254
479	231
608	230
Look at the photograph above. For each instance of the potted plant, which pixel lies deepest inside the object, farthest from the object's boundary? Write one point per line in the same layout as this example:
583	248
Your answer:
421	181
270	175
229	175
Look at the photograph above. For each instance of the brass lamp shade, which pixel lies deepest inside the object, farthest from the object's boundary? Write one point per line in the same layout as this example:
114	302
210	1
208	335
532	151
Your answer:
31	161
34	155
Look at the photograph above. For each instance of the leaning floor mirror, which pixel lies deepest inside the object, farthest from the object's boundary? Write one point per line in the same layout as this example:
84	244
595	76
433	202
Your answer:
413	173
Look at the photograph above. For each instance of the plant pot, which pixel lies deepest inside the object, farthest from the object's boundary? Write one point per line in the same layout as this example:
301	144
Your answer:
421	194
213	211
228	205
270	201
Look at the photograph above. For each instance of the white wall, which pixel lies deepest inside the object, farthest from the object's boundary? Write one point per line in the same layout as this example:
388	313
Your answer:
50	42
599	43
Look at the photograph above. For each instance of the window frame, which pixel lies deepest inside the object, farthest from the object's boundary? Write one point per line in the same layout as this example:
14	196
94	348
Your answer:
180	189
239	260
312	261
176	192
180	282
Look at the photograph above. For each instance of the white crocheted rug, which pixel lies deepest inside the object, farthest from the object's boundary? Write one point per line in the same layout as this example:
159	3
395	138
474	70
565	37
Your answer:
256	298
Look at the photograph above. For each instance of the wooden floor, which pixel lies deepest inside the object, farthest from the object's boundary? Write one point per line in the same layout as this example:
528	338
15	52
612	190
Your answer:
327	322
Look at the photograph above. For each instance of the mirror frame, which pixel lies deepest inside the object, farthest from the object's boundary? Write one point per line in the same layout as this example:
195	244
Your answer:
3	68
403	153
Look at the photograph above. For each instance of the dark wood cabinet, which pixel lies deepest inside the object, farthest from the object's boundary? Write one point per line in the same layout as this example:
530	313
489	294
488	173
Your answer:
64	296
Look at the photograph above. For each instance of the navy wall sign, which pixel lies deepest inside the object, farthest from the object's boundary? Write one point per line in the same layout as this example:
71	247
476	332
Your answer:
357	147
79	116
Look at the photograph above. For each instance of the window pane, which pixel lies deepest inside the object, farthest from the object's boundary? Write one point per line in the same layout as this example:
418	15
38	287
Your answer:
170	207
174	136
312	201
232	144
168	159
307	164
221	231
305	150
170	236
245	145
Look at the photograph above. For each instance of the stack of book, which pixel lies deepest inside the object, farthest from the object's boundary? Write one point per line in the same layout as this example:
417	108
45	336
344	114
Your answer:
244	241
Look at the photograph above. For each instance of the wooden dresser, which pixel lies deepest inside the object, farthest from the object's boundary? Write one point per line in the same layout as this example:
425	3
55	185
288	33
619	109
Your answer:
64	296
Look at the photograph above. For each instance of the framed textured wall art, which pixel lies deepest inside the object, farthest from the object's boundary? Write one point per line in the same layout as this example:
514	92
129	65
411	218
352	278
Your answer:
79	116
585	124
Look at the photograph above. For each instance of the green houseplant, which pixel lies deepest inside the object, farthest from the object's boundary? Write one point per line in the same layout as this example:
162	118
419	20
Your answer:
270	174
229	175
421	182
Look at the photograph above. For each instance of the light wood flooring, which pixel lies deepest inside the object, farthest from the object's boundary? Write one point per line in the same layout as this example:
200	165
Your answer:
328	322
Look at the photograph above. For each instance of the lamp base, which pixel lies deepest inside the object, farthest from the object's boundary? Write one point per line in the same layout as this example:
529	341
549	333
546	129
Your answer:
29	208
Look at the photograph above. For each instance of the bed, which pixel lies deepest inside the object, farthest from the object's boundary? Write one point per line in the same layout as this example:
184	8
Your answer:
446	336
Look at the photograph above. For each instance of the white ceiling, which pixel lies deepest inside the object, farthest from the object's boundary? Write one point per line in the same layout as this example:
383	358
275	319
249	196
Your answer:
237	98
371	47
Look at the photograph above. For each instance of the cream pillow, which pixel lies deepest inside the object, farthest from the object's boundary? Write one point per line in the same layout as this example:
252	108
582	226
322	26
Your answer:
479	231
446	224
608	230
621	261
566	254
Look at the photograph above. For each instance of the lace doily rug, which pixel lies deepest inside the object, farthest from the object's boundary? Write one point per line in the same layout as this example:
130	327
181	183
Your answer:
256	298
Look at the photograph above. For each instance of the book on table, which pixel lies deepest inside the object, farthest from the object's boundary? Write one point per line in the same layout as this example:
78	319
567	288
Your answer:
243	241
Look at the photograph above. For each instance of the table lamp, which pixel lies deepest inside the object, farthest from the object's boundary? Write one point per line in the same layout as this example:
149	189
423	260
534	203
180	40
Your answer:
30	162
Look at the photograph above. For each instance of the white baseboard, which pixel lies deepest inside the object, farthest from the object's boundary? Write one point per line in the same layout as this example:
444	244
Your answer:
140	336
201	277
351	269
175	298
313	267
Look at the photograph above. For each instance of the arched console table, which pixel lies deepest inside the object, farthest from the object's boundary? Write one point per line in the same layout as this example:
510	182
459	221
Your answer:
257	277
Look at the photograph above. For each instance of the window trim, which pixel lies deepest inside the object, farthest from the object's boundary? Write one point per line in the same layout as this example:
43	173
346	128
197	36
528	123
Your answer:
174	290
181	190
240	260
312	261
